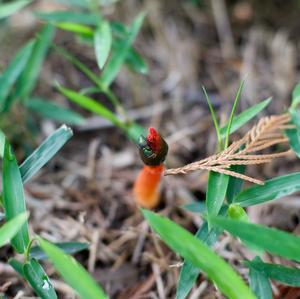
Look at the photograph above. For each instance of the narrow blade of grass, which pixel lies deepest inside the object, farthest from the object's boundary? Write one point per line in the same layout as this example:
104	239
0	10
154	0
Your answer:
118	57
67	247
10	8
296	96
189	272
91	105
13	197
2	144
72	272
10	229
293	134
50	110
259	283
38	279
13	71
76	28
27	80
195	207
199	254
235	184
17	266
102	43
286	275
269	239
45	152
136	62
245	116
272	189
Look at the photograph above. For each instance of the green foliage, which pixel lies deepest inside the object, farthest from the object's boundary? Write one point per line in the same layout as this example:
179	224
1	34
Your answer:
10	8
294	134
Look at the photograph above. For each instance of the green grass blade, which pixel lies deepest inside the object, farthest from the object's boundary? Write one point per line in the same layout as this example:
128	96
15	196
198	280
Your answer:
2	144
13	197
269	239
235	184
50	110
216	191
236	101
13	71
45	152
69	17
10	8
296	96
135	62
10	229
259	283
67	247
286	275
245	116
293	135
272	189
17	266
200	255
189	272
102	43
214	118
81	30
72	272
38	279
91	105
27	80
115	62
195	207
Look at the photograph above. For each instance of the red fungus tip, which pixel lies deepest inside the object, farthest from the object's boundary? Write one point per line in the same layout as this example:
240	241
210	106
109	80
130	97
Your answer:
153	140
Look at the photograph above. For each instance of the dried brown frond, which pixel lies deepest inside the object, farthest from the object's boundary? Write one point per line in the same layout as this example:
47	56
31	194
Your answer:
266	133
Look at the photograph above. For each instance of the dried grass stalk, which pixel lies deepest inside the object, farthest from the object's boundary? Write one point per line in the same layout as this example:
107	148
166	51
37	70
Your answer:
266	133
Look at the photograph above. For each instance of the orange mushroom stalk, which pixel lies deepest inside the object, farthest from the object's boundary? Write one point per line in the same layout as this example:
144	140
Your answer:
153	150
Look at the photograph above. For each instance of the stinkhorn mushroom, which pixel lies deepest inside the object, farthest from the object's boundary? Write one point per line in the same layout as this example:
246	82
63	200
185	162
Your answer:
153	150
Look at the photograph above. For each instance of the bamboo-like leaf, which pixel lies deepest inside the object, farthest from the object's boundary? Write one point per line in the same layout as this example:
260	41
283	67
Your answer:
269	239
272	189
17	266
286	275
102	43
50	110
27	80
10	229
13	197
76	28
245	116
72	272
259	283
199	254
45	152
118	57
38	279
10	8
67	247
296	96
13	71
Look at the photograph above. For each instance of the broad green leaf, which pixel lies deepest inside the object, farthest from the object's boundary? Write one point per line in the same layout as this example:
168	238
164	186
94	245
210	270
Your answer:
91	105
200	255
75	28
294	134
13	197
259	283
10	228
2	143
17	266
195	207
117	58
50	110
296	96
245	116
10	8
235	184
189	272
269	239
67	247
272	189
216	191
45	152
286	275
38	279
102	43
69	16
136	62
236	101
13	71
72	272
27	80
